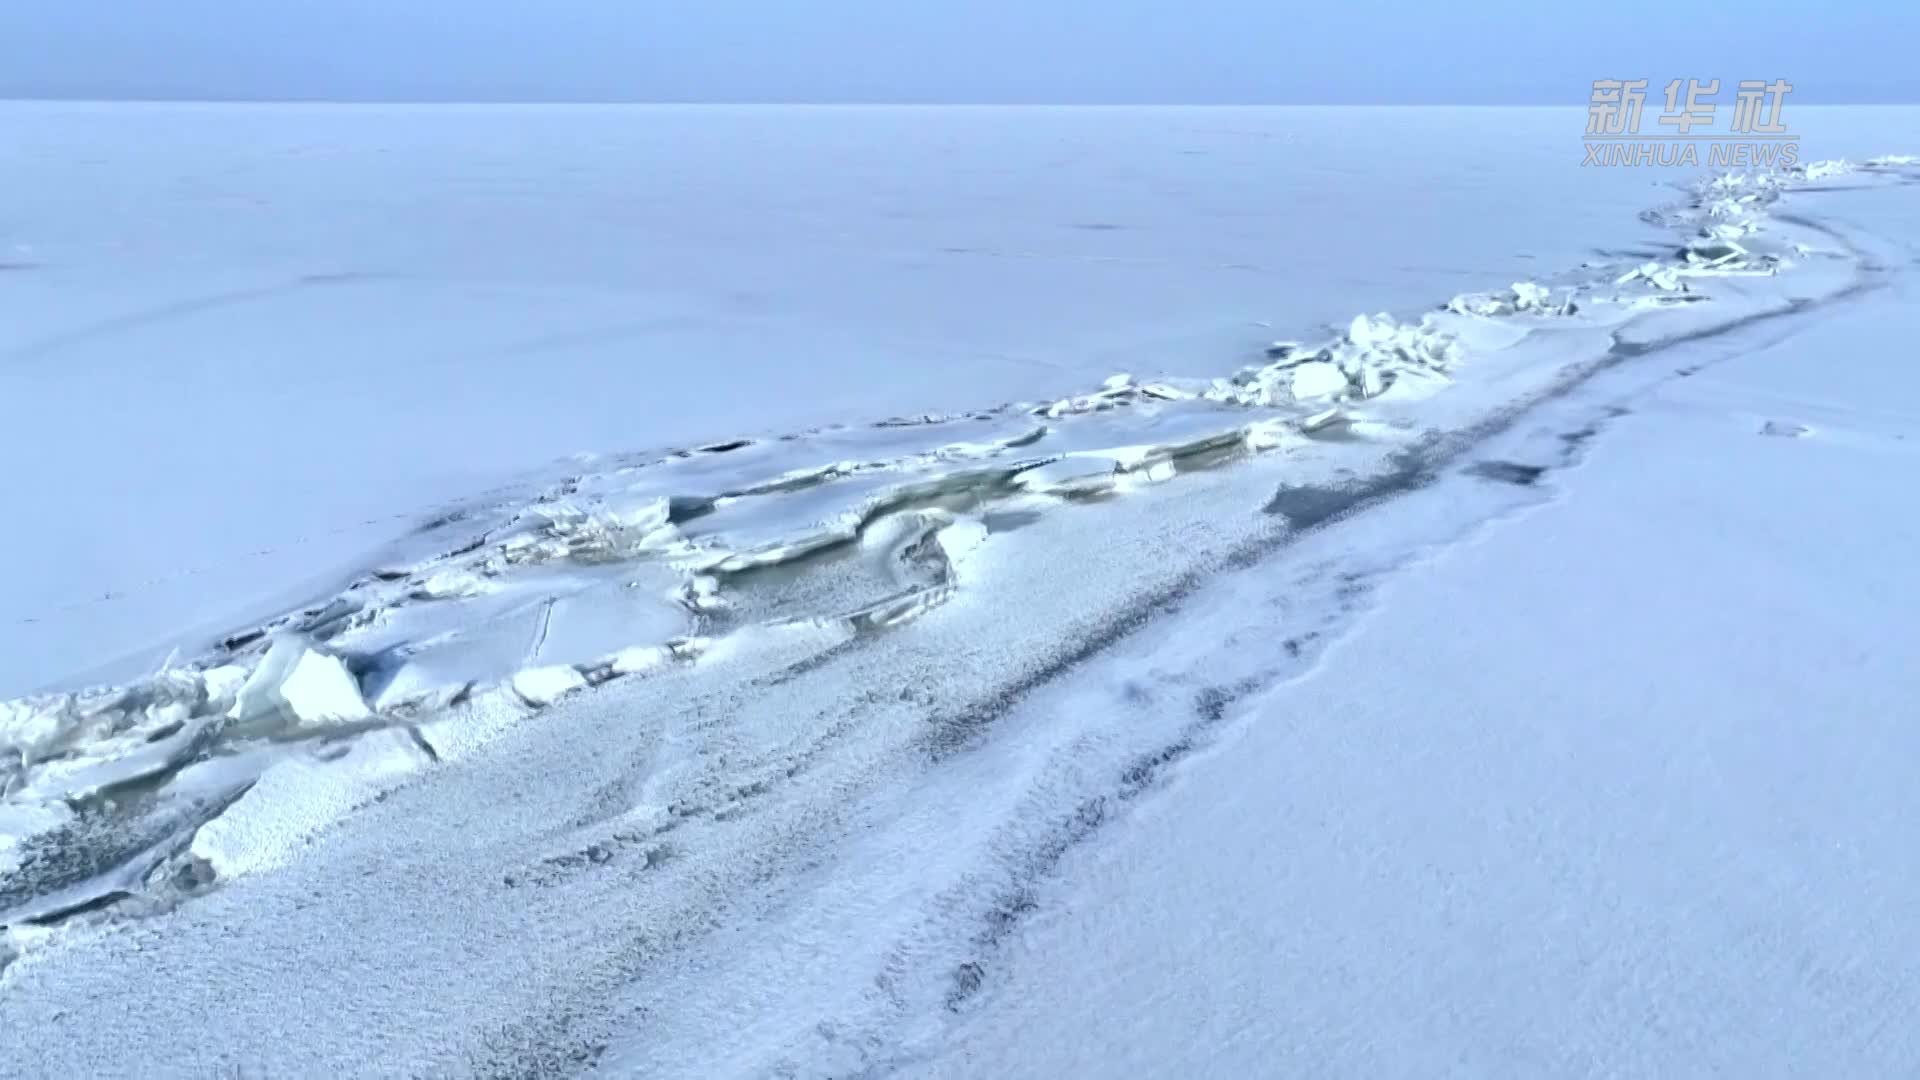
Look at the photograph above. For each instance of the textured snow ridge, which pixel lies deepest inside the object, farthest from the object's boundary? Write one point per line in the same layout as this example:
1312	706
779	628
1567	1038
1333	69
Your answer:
643	565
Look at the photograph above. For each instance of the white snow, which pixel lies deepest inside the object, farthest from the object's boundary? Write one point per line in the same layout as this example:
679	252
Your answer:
299	796
1640	752
266	341
893	672
961	539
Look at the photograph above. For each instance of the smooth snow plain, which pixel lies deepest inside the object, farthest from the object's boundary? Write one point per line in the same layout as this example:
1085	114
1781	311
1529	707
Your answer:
1634	799
666	726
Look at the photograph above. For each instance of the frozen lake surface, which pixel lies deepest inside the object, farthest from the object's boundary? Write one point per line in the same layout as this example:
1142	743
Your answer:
1613	784
242	347
1503	673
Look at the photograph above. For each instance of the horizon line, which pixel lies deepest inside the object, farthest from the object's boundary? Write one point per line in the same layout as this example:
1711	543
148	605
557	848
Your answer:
81	99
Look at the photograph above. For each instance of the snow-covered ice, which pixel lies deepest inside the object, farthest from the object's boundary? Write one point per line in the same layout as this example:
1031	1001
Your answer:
1618	785
244	347
745	674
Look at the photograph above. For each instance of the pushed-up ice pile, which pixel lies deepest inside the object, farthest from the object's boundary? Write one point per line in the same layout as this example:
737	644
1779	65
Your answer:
1376	354
650	562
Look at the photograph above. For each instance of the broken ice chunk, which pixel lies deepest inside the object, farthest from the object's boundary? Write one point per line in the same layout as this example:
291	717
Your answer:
33	726
1371	381
1317	379
1072	474
601	532
638	658
1166	392
296	683
328	620
449	585
296	797
1478	304
1527	295
223	683
86	776
543	686
1369	330
1268	434
1321	420
1524	296
1712	252
1660	277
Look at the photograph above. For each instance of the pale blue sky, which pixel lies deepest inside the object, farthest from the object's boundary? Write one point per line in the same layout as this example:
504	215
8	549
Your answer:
1098	51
